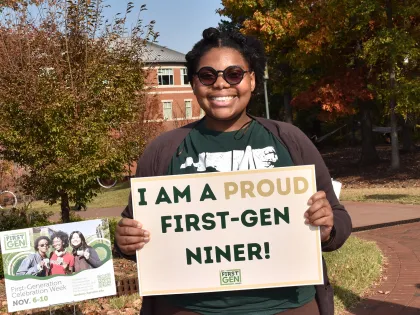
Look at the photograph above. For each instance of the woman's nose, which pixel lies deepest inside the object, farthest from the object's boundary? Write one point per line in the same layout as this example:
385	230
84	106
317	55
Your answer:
220	82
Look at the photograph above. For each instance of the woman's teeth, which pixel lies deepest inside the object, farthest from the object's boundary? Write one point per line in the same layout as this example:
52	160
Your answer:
222	98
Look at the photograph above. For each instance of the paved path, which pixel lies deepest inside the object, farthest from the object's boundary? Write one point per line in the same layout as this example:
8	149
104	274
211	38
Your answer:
368	215
399	242
399	293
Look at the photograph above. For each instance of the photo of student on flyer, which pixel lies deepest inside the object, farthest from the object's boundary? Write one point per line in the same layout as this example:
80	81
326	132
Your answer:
61	261
85	257
36	264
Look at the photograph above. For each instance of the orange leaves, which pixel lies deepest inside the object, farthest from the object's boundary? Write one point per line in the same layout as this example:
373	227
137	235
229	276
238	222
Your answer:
335	95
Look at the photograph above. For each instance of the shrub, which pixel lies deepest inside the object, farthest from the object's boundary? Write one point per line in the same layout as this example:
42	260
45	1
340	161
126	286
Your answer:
112	227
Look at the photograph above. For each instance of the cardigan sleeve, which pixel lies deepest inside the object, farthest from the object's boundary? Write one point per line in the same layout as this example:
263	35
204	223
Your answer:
146	166
309	154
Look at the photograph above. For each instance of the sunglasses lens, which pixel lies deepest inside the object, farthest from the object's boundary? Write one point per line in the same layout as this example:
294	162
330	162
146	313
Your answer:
207	76
234	75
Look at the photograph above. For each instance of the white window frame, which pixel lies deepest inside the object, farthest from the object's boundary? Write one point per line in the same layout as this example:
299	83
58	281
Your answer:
202	113
188	113
165	72
167	105
183	75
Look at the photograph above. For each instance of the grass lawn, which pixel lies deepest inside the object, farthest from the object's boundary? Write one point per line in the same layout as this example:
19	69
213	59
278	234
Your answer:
113	197
408	195
352	270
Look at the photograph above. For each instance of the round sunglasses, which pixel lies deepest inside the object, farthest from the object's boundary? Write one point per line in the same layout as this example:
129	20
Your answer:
232	75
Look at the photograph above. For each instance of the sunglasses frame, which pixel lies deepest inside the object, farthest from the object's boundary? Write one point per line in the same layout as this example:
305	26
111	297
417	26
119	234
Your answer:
223	74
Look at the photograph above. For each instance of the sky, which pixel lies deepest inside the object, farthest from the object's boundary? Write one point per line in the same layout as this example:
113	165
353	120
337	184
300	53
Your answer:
180	23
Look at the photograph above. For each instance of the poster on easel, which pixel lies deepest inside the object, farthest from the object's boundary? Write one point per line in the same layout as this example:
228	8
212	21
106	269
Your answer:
56	264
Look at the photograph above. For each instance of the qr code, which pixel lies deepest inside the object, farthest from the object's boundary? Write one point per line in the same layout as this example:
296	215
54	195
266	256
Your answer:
104	280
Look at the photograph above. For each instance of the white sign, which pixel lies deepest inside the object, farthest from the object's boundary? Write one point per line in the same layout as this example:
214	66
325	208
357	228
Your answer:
227	231
57	264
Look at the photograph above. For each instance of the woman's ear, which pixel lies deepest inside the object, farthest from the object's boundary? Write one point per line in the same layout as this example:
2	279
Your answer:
193	86
252	76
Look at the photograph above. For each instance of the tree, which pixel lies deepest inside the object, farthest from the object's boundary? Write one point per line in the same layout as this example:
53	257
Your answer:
315	41
71	96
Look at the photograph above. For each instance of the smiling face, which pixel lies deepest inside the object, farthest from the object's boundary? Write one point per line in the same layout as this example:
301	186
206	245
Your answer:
75	240
57	244
224	104
43	246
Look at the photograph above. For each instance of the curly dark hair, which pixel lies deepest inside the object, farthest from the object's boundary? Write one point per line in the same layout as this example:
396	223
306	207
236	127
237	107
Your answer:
63	236
40	239
250	48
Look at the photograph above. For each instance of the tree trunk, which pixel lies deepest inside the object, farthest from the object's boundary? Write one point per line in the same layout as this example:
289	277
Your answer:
407	134
369	154
395	155
288	117
65	207
287	96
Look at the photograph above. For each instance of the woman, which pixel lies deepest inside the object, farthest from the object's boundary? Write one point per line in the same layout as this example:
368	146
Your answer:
85	257
224	69
36	264
61	261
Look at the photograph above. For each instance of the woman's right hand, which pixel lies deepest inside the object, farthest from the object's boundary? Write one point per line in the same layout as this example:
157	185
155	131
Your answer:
130	236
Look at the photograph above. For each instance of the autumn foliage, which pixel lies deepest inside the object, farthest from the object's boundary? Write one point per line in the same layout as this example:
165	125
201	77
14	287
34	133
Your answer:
71	96
336	94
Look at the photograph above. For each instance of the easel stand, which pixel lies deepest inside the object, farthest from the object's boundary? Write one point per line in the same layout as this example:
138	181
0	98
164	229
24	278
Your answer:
52	312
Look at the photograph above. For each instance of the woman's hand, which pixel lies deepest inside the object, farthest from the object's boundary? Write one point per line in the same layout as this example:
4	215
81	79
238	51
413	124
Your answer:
131	236
320	214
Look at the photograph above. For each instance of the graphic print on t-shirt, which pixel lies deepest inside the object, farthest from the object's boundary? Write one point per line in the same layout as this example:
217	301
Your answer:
250	159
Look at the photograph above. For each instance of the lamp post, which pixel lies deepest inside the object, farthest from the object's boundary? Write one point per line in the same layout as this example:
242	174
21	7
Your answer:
267	110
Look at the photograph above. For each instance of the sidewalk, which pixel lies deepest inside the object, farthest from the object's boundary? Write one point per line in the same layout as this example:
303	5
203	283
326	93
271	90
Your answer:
396	230
399	292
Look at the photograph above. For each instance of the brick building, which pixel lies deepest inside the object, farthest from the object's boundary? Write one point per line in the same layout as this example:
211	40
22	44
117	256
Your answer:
171	101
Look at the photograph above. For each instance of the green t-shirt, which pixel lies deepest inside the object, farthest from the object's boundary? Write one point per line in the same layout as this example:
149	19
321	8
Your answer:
252	147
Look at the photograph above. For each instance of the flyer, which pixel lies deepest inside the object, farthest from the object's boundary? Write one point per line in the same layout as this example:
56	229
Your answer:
225	231
56	264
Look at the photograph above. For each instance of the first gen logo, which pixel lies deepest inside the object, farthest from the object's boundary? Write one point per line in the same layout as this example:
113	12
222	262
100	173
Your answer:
230	277
15	241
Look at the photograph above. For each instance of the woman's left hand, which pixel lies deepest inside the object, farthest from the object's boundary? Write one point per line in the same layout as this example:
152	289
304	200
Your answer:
320	214
86	254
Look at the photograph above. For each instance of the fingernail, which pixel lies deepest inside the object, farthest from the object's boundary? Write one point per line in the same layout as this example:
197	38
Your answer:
146	239
139	225
310	202
306	214
146	234
306	221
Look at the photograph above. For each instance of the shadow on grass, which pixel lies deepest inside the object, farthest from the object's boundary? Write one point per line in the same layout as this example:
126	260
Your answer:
387	197
368	306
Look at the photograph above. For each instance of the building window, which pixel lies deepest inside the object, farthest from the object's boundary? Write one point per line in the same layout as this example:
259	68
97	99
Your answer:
188	109
184	76
202	113
167	110
166	76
